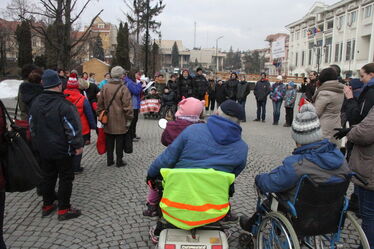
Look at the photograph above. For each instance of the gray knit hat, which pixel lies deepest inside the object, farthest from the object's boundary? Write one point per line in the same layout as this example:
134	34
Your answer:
117	72
306	128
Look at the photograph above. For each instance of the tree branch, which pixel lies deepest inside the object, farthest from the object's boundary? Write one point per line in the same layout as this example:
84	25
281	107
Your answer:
80	12
88	31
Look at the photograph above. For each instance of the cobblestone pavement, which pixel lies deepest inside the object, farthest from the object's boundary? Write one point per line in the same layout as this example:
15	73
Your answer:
112	199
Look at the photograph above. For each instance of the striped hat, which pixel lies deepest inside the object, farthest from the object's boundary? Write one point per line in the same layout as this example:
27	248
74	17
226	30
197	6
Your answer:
72	81
306	128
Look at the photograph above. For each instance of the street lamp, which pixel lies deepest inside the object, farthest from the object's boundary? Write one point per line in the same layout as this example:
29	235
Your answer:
217	67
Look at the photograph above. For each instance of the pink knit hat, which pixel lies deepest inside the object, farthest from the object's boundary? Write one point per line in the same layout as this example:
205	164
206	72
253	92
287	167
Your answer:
190	107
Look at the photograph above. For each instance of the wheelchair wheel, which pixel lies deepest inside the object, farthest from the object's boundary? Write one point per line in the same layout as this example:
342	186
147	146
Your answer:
276	232
352	236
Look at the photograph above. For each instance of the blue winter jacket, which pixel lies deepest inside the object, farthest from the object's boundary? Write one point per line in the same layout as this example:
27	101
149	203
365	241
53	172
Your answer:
135	90
321	161
216	144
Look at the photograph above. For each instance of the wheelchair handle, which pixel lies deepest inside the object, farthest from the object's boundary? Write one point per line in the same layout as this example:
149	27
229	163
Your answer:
358	177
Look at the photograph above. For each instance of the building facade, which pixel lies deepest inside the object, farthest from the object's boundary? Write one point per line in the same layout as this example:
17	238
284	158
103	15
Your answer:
341	33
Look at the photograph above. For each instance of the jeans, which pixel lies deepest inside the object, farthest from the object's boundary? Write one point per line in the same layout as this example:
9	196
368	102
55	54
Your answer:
289	116
134	122
276	111
63	170
261	109
242	103
117	141
366	202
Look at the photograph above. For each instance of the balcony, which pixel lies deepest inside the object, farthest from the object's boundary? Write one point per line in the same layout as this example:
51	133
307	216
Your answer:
328	31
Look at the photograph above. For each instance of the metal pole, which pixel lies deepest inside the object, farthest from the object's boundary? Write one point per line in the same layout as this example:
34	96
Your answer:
217	66
146	41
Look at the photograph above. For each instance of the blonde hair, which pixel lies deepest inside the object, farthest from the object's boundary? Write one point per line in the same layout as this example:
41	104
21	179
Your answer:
83	84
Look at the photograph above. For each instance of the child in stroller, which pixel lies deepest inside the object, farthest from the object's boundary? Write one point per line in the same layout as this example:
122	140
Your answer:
168	104
150	107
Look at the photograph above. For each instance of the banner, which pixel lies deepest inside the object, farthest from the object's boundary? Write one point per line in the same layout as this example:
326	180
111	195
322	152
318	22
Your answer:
278	49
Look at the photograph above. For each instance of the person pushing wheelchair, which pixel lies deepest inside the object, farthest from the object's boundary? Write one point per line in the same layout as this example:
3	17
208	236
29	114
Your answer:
314	156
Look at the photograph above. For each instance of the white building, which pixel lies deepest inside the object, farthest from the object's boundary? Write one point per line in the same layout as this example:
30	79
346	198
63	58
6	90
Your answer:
333	34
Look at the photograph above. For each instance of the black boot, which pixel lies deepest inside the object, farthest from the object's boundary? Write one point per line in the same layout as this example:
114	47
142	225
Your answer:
121	163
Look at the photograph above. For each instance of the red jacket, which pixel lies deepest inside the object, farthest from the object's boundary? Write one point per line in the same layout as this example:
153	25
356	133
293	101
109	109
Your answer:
77	99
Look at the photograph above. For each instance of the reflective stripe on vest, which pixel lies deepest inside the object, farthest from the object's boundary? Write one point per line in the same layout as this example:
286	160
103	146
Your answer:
195	197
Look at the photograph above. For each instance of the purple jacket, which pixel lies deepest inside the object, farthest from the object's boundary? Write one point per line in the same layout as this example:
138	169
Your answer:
173	129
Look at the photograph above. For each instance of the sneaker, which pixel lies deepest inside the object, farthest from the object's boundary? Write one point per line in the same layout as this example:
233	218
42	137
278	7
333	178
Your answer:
120	164
47	210
151	211
256	120
67	214
230	218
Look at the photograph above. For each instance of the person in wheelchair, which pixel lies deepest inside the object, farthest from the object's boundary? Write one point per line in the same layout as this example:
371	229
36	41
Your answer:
314	156
216	144
168	103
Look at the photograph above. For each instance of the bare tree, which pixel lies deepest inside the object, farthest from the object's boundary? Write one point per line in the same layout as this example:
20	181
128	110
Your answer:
53	21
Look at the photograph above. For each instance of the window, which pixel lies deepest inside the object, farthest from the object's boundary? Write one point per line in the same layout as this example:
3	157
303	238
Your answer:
304	33
341	52
367	11
336	52
328	44
340	21
348	51
296	57
34	42
353	49
310	57
327	51
101	26
330	24
352	17
302	58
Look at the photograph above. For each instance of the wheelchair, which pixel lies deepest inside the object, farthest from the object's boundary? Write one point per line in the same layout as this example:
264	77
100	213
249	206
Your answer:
316	218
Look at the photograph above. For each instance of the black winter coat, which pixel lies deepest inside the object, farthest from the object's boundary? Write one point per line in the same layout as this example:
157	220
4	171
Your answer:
200	86
231	89
243	90
357	109
169	98
55	126
27	94
185	87
173	86
92	92
310	89
262	90
220	93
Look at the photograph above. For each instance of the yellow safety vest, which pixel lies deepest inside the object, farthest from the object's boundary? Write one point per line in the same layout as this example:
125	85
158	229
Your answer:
195	197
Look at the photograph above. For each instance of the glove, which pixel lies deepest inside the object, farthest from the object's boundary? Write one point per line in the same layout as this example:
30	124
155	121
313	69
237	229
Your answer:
150	181
342	132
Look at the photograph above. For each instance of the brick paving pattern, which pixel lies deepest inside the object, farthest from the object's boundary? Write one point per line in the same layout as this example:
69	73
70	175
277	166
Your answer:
112	199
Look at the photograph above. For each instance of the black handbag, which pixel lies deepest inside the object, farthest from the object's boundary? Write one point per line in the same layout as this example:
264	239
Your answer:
21	170
128	147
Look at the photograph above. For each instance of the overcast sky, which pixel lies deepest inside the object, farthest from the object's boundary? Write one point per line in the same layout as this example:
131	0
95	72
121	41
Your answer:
243	23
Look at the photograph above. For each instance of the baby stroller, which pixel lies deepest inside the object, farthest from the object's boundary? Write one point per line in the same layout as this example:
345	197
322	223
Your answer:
150	108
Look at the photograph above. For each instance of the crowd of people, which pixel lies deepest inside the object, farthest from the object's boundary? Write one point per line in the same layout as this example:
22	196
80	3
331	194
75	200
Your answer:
63	108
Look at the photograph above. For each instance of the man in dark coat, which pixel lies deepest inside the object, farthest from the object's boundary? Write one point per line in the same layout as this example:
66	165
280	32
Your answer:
243	91
57	135
200	84
220	92
173	86
232	86
262	90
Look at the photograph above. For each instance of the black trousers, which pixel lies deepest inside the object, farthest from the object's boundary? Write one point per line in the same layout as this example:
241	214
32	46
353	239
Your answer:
134	122
165	108
261	109
63	170
211	104
2	207
289	115
118	142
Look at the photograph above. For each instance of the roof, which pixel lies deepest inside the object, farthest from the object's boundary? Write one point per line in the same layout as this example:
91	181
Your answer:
273	37
168	44
100	61
11	25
